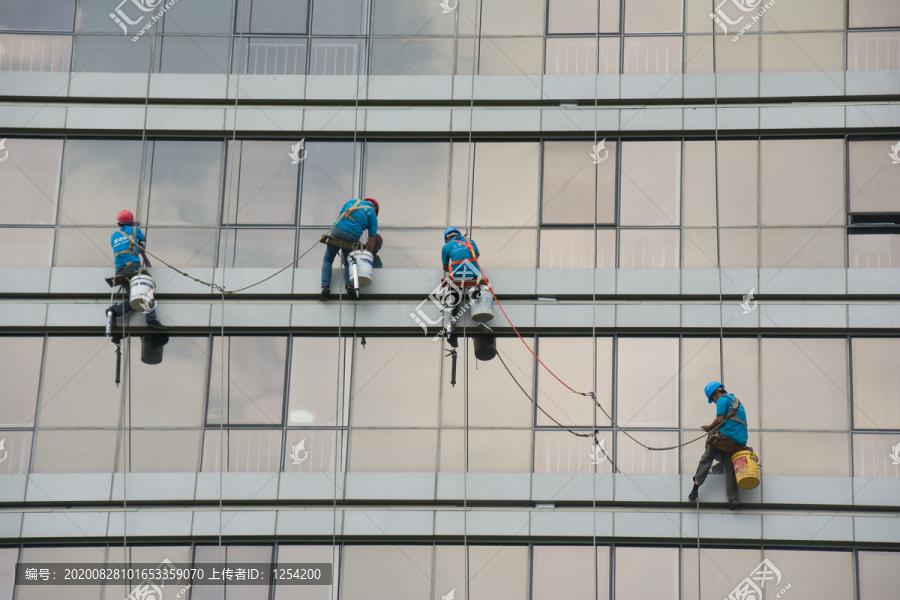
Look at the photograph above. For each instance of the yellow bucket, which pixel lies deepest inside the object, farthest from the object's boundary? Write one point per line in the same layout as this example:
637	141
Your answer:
746	469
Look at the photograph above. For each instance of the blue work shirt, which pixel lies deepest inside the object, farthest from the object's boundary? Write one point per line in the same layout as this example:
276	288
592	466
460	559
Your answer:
454	253
361	218
121	244
732	429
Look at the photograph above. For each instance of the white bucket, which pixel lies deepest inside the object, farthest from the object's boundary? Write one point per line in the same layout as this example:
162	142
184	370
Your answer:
482	305
363	260
141	293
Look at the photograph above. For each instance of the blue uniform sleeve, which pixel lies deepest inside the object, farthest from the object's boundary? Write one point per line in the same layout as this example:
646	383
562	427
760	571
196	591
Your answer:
445	254
373	223
722	405
140	235
475	246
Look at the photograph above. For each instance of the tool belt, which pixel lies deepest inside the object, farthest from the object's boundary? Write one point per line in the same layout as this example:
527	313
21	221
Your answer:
343	244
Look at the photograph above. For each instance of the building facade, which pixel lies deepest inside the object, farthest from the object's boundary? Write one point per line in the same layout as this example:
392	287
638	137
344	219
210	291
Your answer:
663	192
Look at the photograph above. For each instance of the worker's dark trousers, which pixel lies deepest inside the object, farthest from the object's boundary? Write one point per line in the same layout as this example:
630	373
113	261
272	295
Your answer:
706	461
124	308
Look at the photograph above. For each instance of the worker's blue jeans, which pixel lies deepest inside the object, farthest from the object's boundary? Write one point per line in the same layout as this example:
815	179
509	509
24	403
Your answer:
124	308
331	252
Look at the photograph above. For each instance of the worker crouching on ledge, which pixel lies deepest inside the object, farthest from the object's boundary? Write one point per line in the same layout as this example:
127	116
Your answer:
458	257
728	434
356	216
127	243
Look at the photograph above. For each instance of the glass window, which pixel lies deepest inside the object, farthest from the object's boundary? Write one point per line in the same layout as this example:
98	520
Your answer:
110	54
390	571
812	52
266	186
99	176
568	572
802	182
572	249
255	374
93	16
631	568
879	572
186	184
506	248
570	359
876	376
269	56
271	16
873	179
870	251
336	56
512	17
83	247
255	248
248	450
511	56
184	247
652	55
171	393
720	571
309	554
8	558
395	383
329	180
232	556
192	54
332	17
580	16
393	450
819	574
506	183
805	15
651	183
412	56
498	572
633	458
738	175
874	13
649	248
872	455
700	365
412	179
37	15
20	370
563	452
47	556
652	16
647	382
30	174
70	394
198	16
315	364
410	248
27	247
75	451
490	451
449	568
43	53
493	399
578	56
16	451
314	450
410	17
162	451
569	184
697	19
803	248
806	454
730	58
804	383
740	248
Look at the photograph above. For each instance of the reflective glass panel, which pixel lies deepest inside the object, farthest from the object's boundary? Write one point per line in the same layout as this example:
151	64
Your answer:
37	15
393	450
255	375
329	180
630	457
110	54
490	451
572	249
84	247
805	15
100	177
873	180
870	251
506	183
810	247
563	452
269	56
163	451
631	567
879	572
506	248
232	556
331	17
876	376
308	554
738	175
647	390
649	248
8	558
26	247
819	574
571	180
171	393
271	16
568	572
412	179
313	398
874	13
93	16
802	182
653	16
184	247
502	572
248	451
652	55
873	455
267	184
396	572
256	248
651	183
511	56
186	183
578	56
720	570
580	16
39	53
410	17
78	451
30	174
700	365
411	249
336	56
807	454
16	451
813	52
512	17
20	371
198	16
570	359
83	554
314	450
730	58
192	54
412	56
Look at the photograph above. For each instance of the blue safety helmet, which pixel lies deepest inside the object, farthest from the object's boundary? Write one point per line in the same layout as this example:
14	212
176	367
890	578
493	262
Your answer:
711	387
449	231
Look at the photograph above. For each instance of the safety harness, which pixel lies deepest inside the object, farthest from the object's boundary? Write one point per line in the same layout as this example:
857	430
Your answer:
330	240
722	441
133	247
453	263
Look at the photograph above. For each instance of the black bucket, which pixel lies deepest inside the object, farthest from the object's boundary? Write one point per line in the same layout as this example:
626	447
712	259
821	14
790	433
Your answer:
152	348
485	347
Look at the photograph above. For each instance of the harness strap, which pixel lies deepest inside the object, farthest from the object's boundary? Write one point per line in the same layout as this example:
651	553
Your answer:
732	412
467	244
133	247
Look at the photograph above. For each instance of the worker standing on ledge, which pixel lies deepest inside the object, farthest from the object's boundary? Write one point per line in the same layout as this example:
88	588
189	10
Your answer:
127	243
458	259
728	434
356	216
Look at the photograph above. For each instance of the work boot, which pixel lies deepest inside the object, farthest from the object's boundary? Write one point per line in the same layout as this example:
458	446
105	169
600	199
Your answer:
156	325
694	492
325	294
734	505
352	294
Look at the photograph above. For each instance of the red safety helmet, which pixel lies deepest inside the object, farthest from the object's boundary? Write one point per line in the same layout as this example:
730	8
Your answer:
374	203
125	217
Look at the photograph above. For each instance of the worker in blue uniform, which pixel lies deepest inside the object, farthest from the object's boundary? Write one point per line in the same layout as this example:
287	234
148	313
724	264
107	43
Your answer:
127	243
458	258
728	434
356	216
